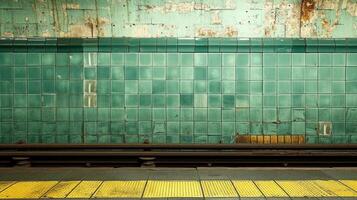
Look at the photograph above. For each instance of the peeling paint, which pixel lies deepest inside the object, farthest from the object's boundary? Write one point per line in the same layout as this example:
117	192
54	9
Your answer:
183	7
230	4
292	20
205	32
77	31
46	34
231	31
91	28
181	18
141	31
328	4
270	16
71	6
352	8
186	7
327	26
215	18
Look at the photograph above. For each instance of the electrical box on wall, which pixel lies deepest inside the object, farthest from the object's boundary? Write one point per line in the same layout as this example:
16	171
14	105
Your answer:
325	128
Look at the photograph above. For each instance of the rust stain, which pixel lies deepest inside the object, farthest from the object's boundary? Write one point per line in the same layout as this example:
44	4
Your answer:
329	26
301	139
270	139
325	24
73	6
91	24
287	139
270	18
243	139
141	31
231	31
274	139
267	32
181	7
351	8
201	6
90	28
307	9
295	139
8	34
281	139
54	12
253	139
203	32
46	34
228	31
266	139
77	31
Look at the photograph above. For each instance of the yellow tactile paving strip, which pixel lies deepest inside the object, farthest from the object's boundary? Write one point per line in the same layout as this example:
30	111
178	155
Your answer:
302	189
221	188
350	183
84	189
270	189
247	188
27	189
334	188
177	188
161	189
120	189
62	189
5	184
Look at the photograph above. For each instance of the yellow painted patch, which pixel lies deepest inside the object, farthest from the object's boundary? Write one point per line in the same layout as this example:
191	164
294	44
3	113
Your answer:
270	189
122	189
247	188
27	189
334	188
158	189
350	183
84	189
218	189
5	184
299	188
62	189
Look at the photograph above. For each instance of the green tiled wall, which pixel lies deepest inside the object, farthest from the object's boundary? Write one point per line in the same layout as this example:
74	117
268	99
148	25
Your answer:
176	91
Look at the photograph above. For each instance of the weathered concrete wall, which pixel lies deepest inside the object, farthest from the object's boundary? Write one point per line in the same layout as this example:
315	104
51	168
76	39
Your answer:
178	18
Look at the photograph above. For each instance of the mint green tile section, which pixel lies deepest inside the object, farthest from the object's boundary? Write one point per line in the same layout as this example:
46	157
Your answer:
177	97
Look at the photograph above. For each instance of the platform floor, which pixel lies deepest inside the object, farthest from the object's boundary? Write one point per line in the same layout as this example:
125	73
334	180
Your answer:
178	183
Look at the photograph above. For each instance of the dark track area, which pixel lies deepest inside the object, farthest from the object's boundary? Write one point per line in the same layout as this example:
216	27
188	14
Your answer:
150	155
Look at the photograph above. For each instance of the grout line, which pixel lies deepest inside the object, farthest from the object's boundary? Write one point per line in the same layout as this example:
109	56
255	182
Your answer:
235	189
49	189
259	189
282	189
95	191
73	188
199	180
338	180
143	192
9	186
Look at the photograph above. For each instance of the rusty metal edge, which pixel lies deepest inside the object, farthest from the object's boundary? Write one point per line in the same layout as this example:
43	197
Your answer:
177	146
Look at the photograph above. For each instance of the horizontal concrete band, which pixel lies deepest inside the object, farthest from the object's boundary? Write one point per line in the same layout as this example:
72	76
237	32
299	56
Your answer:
177	188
